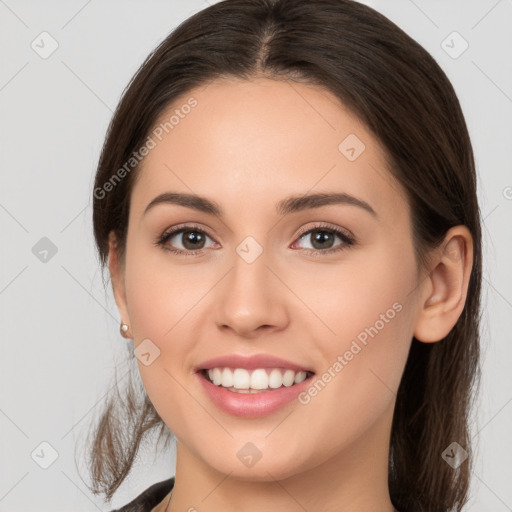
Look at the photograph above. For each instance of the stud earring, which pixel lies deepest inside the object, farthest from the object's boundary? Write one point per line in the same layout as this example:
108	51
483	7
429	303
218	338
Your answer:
124	329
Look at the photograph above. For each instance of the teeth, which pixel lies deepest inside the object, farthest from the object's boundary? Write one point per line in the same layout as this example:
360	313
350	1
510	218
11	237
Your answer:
241	379
259	379
227	377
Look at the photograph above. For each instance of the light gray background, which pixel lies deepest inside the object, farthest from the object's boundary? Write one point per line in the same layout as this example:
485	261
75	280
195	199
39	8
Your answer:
59	328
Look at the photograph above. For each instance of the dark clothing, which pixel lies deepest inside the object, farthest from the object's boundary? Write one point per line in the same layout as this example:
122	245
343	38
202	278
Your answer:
148	499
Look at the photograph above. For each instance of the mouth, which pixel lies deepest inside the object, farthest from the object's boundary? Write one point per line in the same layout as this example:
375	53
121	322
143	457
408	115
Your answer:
257	380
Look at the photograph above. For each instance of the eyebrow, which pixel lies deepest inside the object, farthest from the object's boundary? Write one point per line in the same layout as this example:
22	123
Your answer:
289	205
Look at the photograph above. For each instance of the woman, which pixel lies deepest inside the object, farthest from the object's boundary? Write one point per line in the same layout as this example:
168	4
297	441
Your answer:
286	202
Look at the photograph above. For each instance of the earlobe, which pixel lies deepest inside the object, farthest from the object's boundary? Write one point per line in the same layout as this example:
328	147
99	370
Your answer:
443	294
117	277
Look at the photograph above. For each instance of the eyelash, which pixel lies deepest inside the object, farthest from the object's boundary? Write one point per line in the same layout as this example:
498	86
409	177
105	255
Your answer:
347	240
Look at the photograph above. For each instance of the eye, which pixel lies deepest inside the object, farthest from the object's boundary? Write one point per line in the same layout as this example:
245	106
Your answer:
191	238
323	237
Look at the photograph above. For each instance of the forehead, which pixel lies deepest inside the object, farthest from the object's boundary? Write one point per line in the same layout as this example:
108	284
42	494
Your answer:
261	140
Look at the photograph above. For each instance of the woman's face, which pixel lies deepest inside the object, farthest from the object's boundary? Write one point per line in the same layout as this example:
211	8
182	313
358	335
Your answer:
262	282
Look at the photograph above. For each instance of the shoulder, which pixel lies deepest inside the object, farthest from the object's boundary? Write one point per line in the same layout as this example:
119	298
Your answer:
148	499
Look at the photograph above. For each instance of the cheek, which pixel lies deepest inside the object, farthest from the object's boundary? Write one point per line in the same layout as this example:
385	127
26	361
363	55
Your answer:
166	304
160	295
363	369
369	288
366	326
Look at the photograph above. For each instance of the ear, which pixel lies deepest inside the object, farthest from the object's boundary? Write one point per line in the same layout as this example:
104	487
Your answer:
444	290
116	268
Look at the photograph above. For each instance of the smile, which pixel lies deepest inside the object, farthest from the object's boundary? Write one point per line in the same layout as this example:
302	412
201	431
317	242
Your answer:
241	380
252	393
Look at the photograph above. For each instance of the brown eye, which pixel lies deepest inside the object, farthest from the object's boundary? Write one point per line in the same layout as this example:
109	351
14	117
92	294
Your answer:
323	240
184	240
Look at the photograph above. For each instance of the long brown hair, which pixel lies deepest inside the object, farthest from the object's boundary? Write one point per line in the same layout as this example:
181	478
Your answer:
398	90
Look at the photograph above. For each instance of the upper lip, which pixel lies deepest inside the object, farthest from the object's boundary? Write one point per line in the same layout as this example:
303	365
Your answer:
251	362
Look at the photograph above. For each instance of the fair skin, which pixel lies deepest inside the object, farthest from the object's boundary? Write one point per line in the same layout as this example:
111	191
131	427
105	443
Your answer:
246	146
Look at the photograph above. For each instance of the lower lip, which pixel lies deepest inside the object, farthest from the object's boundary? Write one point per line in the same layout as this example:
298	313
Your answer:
251	405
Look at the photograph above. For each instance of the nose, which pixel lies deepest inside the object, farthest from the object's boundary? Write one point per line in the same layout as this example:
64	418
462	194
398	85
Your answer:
251	299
